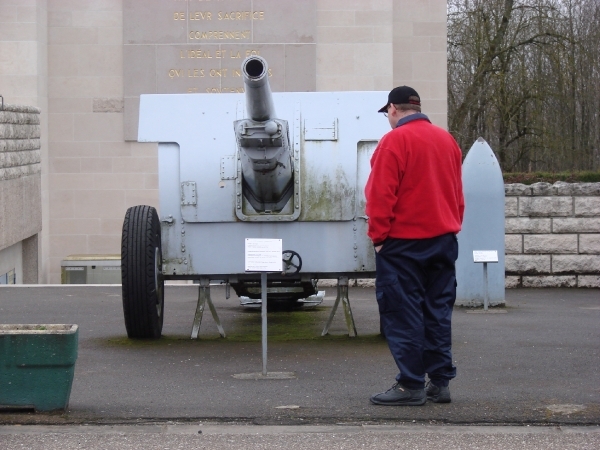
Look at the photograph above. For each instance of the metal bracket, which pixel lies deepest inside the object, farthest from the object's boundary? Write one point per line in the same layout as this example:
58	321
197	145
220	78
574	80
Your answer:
319	130
203	298
342	294
229	167
188	193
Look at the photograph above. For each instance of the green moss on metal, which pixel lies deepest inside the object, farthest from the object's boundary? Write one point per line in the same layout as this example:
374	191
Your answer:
327	197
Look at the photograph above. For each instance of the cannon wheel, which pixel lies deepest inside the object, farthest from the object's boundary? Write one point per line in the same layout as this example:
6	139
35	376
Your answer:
141	273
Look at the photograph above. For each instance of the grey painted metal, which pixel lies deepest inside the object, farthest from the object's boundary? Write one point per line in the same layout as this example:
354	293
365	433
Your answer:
332	136
486	297
203	299
259	102
308	302
266	160
263	316
342	295
483	227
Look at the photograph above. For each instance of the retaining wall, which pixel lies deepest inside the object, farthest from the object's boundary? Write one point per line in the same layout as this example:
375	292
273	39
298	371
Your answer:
552	235
19	141
20	184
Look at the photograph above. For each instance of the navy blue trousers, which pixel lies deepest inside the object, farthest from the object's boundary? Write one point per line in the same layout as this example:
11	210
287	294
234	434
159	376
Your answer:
416	290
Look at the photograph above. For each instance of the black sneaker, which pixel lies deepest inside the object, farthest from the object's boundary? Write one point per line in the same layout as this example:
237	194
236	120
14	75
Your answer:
437	394
398	395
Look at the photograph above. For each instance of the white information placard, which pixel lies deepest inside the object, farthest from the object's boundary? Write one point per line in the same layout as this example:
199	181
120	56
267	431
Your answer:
485	256
264	255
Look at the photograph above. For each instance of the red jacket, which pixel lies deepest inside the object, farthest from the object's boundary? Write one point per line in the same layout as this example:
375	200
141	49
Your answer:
414	190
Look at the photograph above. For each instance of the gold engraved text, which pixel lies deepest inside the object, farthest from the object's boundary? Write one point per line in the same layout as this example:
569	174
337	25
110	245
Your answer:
213	73
241	15
201	15
225	90
218	73
190	73
221	15
218	54
195	73
200	54
219	35
216	90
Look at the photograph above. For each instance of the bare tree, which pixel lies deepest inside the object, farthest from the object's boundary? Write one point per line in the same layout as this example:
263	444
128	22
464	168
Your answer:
524	75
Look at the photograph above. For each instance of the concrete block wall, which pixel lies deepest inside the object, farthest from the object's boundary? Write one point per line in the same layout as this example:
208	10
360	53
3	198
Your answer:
378	44
552	235
93	174
23	81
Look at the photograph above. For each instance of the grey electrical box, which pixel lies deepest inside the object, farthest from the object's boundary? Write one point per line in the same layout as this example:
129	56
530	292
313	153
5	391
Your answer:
91	269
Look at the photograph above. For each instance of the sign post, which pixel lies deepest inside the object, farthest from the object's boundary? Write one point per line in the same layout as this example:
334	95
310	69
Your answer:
485	257
263	255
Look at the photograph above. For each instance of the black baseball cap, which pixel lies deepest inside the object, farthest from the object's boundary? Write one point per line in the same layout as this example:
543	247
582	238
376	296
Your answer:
401	95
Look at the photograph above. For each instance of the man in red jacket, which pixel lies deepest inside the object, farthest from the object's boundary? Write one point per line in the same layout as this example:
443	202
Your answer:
415	207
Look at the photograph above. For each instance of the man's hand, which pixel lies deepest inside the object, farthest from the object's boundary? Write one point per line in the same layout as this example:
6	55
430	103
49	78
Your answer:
378	247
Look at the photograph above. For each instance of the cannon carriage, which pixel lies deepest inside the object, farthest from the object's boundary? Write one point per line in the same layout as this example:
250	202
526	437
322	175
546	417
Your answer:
289	165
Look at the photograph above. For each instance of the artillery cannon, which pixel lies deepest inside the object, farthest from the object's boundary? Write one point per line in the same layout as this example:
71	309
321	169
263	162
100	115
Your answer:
300	180
263	142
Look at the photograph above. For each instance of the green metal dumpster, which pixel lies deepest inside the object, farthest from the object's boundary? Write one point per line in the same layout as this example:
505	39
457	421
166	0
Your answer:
37	364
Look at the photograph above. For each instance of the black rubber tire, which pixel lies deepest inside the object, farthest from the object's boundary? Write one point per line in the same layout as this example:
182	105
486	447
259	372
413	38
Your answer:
141	275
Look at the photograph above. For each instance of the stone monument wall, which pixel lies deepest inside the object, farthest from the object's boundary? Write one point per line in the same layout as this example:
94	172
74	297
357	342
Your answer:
85	63
20	186
552	235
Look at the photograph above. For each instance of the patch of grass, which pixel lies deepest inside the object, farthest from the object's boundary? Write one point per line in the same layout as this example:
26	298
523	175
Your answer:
237	337
282	326
551	177
124	341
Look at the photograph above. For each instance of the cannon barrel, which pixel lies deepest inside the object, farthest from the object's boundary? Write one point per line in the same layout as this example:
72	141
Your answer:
263	140
259	101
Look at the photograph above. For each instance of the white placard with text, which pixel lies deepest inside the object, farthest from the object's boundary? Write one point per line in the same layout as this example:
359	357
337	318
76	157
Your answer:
485	256
264	255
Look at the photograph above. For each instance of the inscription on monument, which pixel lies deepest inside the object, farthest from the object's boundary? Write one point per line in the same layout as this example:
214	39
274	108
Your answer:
197	46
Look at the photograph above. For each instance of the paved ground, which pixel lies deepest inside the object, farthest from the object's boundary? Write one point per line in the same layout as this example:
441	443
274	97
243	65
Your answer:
537	364
251	437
